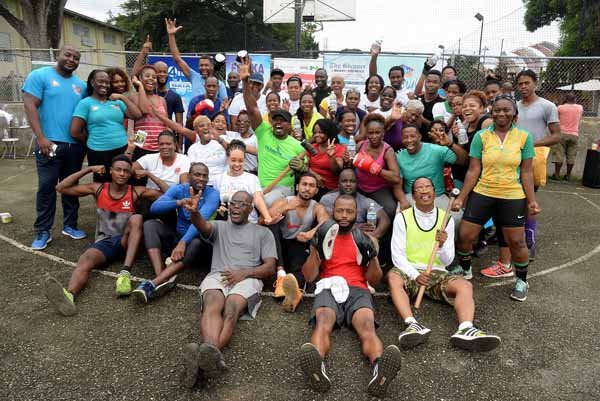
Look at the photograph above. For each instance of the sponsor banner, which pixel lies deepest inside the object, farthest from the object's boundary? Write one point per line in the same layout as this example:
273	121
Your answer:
177	81
302	67
261	63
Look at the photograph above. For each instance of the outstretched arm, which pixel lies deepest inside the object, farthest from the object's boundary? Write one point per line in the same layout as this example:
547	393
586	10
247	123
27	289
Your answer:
172	29
249	99
141	57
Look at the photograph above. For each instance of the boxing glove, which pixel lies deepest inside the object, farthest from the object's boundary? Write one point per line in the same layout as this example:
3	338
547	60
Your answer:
324	238
365	248
365	162
203	105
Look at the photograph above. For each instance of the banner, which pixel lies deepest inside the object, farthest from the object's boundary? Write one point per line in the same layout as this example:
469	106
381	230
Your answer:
302	67
355	68
177	81
261	63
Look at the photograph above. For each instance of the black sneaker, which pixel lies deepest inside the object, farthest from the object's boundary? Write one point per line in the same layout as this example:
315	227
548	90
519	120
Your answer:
384	371
165	287
313	367
473	339
211	360
414	334
190	363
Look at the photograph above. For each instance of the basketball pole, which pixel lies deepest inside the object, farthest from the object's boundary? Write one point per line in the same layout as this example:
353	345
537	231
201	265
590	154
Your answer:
298	26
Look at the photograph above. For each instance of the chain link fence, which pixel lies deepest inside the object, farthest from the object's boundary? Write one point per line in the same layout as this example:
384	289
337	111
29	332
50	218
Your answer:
556	75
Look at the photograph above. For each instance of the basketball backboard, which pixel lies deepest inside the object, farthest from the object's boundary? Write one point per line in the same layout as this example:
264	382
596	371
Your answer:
282	11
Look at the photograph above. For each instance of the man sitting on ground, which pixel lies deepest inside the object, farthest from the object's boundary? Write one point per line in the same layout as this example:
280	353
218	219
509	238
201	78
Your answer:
182	242
345	263
243	255
292	236
415	231
118	230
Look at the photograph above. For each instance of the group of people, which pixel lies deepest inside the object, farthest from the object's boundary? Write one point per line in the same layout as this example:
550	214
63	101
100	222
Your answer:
321	189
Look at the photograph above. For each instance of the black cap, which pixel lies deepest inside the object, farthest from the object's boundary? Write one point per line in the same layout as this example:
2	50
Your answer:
283	114
277	71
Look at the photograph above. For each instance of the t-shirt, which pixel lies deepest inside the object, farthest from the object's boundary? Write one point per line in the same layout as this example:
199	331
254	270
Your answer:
294	106
501	161
238	104
402	96
212	154
275	155
250	160
428	111
536	116
570	115
325	104
232	92
343	262
174	103
320	94
321	165
104	123
240	246
283	95
308	128
362	203
59	97
385	114
442	111
428	162
153	163
198	82
365	103
229	185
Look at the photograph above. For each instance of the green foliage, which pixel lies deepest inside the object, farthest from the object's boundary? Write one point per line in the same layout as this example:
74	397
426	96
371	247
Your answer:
208	26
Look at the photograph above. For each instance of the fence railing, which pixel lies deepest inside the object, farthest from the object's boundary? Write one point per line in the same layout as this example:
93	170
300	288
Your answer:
556	74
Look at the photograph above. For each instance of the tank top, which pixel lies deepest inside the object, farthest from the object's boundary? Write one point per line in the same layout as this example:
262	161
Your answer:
153	126
112	214
291	225
368	182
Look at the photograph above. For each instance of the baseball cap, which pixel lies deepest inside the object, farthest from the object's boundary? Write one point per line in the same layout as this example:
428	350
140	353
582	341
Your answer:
256	77
277	71
281	113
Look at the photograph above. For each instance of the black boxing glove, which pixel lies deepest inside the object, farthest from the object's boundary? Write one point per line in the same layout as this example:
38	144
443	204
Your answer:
366	249
324	238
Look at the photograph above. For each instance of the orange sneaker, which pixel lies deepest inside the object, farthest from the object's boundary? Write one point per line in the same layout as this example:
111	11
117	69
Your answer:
293	294
278	293
498	270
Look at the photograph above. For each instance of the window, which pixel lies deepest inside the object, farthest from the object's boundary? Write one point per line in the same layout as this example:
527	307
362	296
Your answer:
110	38
81	30
5	44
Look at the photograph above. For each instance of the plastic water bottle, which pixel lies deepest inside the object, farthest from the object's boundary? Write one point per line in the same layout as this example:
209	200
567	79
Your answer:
332	102
372	215
463	138
351	147
376	46
297	128
432	61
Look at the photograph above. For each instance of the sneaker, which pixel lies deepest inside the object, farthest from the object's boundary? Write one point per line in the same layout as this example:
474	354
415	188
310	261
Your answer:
123	286
59	297
457	270
41	241
414	334
73	232
468	274
473	339
293	294
498	270
519	293
210	360
191	356
278	293
371	289
554	177
165	287
144	292
385	371
313	367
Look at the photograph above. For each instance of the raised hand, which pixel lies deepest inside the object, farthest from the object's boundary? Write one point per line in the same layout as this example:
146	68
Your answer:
99	169
285	104
245	68
140	174
330	147
191	204
171	25
397	111
136	82
225	104
147	44
116	96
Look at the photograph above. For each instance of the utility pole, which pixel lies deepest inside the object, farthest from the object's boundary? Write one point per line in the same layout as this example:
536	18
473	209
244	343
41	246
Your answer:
141	21
298	26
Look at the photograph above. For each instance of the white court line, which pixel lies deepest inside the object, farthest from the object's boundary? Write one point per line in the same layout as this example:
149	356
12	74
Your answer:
12	177
565	265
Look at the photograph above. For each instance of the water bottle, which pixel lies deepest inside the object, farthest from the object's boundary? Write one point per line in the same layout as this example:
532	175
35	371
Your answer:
351	147
432	61
463	138
376	46
297	129
372	215
332	102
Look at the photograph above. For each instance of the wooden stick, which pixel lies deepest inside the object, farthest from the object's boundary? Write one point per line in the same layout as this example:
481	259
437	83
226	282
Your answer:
436	246
285	172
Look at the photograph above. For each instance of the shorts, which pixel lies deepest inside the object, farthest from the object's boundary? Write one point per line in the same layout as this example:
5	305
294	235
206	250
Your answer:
505	212
436	289
104	158
566	148
357	299
249	288
111	248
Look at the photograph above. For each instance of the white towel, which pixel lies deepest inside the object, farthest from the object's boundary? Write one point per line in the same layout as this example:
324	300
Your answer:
338	287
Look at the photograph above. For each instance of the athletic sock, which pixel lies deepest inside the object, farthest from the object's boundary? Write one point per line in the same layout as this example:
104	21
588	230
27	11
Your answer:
410	320
280	273
521	270
464	259
375	362
465	325
530	232
126	270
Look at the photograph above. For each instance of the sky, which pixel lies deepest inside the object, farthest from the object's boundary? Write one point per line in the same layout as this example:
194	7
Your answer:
417	26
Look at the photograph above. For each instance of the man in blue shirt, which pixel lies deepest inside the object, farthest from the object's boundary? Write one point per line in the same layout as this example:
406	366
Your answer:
50	95
205	64
211	87
183	242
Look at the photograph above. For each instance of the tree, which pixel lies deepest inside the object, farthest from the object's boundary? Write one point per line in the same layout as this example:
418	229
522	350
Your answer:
40	25
578	23
208	25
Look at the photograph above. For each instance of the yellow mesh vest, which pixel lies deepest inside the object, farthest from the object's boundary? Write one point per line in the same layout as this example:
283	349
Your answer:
419	243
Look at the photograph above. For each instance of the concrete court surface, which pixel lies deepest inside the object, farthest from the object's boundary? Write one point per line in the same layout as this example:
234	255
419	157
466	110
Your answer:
115	349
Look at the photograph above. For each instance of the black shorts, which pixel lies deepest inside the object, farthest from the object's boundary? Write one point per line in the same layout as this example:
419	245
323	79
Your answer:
505	212
357	299
103	157
111	248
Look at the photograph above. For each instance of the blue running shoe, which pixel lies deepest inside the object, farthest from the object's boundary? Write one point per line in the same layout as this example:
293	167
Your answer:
519	293
144	292
73	232
41	241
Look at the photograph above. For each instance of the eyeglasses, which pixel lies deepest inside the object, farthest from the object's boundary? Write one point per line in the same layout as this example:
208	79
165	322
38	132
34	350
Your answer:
240	204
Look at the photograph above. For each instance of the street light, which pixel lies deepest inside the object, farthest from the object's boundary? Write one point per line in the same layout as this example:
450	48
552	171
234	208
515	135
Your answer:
479	17
443	48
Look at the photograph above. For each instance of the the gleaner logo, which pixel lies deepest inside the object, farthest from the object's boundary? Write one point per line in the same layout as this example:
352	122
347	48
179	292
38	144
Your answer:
126	205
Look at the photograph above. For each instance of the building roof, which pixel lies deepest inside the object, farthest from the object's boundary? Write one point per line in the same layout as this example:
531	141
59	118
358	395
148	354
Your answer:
76	15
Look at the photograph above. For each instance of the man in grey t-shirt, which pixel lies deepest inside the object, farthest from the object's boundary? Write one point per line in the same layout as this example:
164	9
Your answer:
243	254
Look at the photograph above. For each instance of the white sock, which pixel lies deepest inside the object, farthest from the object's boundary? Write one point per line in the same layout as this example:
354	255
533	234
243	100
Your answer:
465	325
280	273
410	320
